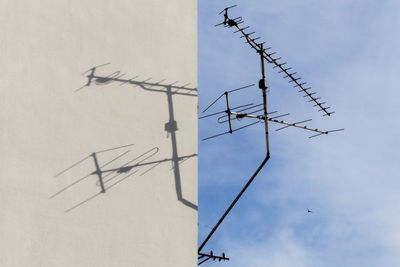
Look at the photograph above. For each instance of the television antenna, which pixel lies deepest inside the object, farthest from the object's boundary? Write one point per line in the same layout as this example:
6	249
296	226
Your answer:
257	112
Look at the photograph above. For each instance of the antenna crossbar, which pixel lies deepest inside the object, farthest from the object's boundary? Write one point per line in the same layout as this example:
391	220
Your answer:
224	111
288	124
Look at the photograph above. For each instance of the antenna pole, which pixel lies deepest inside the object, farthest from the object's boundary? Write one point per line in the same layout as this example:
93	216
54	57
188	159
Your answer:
234	202
228	110
263	87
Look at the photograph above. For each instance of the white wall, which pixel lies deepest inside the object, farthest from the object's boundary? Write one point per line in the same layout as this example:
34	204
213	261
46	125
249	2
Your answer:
53	212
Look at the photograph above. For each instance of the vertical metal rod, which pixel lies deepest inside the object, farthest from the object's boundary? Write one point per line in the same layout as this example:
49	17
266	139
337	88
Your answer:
263	87
99	173
228	110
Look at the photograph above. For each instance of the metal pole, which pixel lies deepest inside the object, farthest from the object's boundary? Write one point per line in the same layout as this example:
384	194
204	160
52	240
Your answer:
228	110
233	203
263	87
264	91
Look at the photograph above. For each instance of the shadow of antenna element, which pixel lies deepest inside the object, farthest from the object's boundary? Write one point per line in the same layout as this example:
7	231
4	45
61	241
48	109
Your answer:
93	155
171	127
102	173
115	76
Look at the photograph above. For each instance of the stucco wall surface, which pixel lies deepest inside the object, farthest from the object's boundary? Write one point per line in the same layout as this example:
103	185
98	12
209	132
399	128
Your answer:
98	133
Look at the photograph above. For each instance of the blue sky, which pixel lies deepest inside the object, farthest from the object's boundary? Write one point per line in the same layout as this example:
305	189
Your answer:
348	51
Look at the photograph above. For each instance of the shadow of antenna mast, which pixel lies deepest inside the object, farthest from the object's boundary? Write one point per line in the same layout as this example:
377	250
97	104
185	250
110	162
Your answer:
171	127
253	111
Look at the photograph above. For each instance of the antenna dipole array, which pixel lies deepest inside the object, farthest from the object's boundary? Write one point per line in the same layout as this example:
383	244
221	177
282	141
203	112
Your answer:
259	112
270	58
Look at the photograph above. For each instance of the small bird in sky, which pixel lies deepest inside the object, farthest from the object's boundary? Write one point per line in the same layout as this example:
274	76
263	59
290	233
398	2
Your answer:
309	211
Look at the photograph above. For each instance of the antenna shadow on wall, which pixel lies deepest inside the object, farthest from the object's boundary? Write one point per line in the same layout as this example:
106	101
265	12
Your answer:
107	178
120	166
